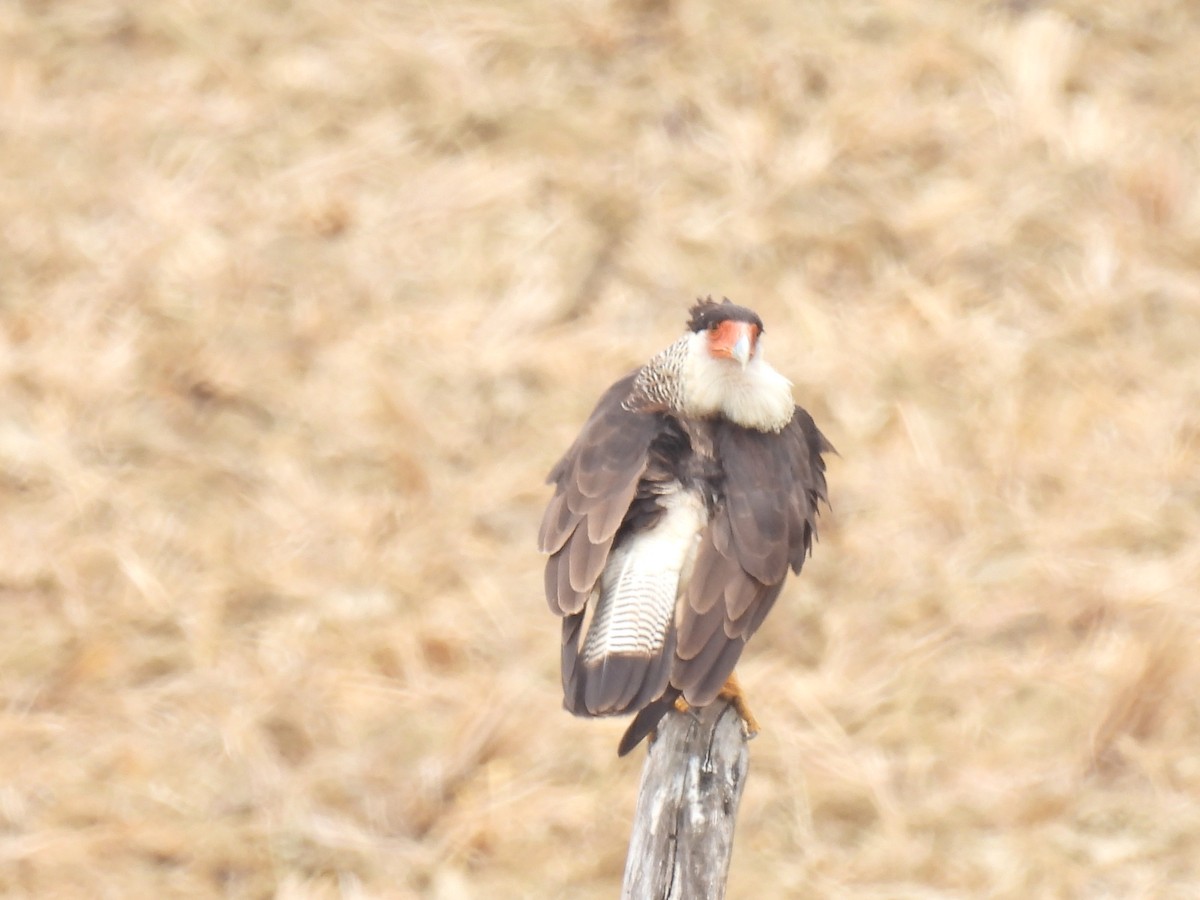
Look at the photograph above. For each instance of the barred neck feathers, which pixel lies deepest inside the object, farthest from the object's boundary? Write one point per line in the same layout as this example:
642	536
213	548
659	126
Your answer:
686	379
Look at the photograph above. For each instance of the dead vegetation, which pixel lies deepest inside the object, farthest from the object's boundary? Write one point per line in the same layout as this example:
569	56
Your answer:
299	302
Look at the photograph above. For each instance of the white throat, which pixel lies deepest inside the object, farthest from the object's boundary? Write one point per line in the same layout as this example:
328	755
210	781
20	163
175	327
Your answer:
755	397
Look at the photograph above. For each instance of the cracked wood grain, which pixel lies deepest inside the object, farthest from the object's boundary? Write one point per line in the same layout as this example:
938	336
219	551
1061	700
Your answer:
687	807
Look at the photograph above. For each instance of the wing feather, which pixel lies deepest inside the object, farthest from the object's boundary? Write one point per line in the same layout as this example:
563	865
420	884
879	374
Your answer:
710	565
748	622
722	537
693	674
585	560
764	524
696	630
566	599
558	522
740	594
595	483
757	481
609	512
709	682
572	627
550	577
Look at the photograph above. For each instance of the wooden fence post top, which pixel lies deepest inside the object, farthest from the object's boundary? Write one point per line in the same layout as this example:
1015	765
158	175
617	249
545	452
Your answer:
687	806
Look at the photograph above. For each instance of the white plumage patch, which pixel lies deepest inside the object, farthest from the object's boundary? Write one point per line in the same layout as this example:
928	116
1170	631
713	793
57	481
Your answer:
756	396
642	581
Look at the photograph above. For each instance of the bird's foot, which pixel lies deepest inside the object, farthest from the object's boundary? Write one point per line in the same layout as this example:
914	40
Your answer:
732	691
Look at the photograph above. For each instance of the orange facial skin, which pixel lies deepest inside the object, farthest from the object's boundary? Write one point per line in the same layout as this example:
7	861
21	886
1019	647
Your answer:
733	340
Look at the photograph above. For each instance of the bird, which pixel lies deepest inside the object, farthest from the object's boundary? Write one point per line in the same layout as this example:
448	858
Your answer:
690	492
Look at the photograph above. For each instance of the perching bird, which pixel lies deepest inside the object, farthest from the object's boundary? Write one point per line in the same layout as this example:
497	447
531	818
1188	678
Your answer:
676	514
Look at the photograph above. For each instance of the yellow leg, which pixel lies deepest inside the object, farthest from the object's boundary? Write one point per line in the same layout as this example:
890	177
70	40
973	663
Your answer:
732	691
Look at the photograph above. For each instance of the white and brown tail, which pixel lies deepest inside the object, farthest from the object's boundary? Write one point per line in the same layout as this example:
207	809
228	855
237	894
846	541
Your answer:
626	658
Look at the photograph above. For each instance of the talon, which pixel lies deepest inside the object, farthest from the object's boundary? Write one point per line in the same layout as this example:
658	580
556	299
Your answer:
732	691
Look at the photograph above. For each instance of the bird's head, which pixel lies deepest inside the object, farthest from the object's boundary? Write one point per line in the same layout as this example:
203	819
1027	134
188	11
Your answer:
730	332
717	369
723	371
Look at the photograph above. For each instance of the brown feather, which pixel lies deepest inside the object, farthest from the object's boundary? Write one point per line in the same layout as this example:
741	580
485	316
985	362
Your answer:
595	482
696	631
606	516
705	689
710	566
691	674
657	676
722	534
586	560
741	593
762	490
572	626
754	615
606	681
558	523
569	599
550	576
646	721
772	485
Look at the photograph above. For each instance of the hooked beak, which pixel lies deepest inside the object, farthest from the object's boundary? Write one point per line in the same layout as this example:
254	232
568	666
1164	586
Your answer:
741	349
733	340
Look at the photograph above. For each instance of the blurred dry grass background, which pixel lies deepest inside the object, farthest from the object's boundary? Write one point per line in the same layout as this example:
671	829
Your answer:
300	302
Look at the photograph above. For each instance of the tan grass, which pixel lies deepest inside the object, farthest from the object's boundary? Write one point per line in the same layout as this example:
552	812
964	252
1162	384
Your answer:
300	302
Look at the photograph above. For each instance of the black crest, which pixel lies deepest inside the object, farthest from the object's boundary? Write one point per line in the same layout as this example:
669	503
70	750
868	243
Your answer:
708	312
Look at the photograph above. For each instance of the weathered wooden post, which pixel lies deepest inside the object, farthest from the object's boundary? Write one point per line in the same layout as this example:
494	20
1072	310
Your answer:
687	806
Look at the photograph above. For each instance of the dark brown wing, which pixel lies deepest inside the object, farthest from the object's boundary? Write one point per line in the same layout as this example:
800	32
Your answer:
595	483
764	523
